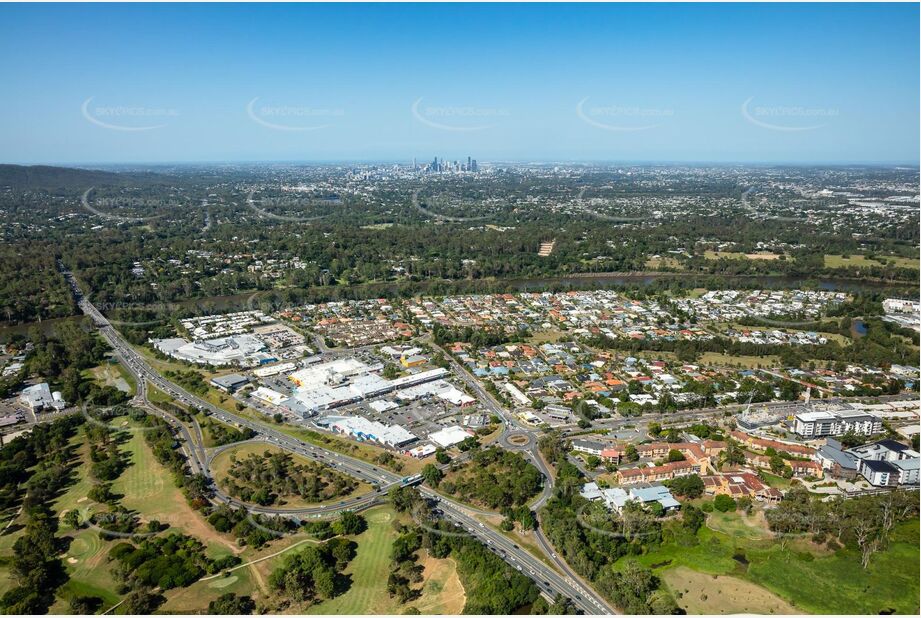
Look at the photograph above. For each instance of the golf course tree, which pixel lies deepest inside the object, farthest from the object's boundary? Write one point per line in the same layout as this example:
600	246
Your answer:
164	562
404	567
33	470
232	604
314	574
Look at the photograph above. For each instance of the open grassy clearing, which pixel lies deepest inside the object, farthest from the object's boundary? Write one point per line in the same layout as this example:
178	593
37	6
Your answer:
777	482
699	593
442	592
663	262
220	468
148	488
371	567
734	255
749	362
838	585
810	580
840	261
753	527
550	335
113	375
155	395
195	598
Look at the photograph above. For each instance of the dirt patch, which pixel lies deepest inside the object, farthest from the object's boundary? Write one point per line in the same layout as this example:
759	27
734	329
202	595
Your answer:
699	593
442	592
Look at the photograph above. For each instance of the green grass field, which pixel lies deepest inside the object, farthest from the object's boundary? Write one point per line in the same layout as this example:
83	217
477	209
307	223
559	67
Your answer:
749	362
734	255
115	375
371	566
838	585
369	571
654	263
196	597
148	489
821	583
839	261
738	525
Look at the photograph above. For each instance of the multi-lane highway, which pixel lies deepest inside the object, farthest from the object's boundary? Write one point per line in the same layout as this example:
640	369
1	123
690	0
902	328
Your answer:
523	438
549	580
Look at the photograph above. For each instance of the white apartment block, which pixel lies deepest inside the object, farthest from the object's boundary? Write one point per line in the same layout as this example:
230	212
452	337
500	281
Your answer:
821	424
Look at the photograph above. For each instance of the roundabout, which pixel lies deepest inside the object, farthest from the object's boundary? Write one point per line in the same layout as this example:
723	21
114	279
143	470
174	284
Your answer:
516	440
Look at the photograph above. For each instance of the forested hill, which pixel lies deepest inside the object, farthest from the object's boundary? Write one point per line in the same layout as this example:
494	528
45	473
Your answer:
51	177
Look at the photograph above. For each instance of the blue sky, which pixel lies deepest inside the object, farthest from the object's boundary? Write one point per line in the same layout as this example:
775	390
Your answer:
716	82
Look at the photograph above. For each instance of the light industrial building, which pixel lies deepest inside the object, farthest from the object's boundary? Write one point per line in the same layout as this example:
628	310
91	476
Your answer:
241	350
230	383
362	429
267	395
449	436
39	397
327	385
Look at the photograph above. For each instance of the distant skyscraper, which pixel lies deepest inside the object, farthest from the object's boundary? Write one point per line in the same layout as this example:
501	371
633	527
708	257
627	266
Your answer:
469	166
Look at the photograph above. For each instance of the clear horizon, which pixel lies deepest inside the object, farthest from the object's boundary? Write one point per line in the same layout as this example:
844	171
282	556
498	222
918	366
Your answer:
828	84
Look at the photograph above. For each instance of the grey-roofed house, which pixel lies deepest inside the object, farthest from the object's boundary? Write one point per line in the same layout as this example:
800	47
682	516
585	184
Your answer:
655	493
836	461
